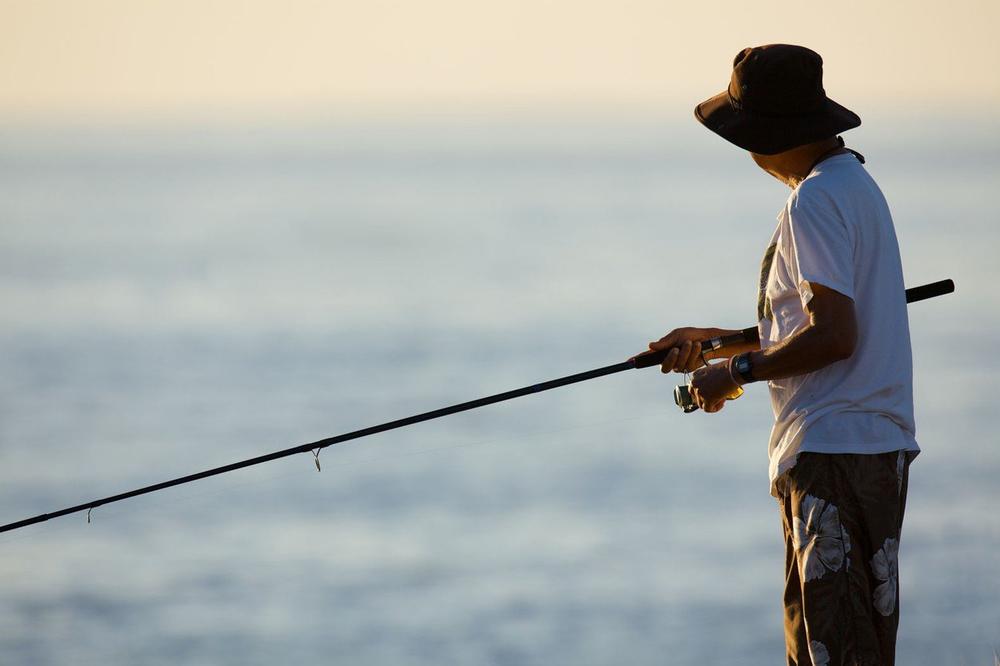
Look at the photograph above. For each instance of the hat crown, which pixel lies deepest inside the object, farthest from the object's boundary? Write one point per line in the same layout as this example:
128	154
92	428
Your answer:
777	79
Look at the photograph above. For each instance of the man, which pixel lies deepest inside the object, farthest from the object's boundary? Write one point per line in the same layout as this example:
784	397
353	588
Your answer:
835	351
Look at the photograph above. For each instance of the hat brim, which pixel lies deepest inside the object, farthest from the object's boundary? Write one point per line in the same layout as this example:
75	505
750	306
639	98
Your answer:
768	135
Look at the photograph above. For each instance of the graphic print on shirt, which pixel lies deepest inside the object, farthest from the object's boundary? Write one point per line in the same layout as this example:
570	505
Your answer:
763	302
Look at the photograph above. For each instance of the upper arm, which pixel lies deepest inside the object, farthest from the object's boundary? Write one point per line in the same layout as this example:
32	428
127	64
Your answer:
832	314
822	244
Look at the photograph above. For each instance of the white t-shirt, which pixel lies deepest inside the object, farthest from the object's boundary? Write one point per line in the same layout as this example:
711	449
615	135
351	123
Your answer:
836	230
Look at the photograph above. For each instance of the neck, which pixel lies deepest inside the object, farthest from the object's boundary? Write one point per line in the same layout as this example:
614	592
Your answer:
792	166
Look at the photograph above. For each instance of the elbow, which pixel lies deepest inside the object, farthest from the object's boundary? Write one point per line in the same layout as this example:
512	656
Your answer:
835	343
841	343
833	318
842	347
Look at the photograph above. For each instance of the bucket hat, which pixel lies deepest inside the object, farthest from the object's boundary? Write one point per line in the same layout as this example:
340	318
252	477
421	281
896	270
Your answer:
775	101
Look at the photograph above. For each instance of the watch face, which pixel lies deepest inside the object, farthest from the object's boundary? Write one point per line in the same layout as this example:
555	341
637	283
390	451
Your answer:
743	367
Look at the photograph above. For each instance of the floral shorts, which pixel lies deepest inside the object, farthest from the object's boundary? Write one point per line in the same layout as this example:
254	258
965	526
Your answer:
842	516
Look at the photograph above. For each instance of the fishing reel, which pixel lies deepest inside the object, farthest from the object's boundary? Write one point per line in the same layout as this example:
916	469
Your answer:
684	399
682	393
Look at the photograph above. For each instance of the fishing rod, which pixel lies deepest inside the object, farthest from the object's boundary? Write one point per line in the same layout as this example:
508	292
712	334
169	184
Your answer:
643	360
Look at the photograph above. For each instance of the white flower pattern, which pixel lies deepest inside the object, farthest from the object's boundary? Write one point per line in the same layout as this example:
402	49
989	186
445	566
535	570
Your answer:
885	566
818	653
820	539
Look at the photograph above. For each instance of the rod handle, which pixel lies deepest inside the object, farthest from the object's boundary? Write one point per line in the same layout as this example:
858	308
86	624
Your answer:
650	358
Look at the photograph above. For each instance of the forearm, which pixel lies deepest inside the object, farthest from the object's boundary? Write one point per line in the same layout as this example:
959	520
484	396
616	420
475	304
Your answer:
808	350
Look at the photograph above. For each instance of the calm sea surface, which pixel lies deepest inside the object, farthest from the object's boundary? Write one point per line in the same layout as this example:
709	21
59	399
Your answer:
178	299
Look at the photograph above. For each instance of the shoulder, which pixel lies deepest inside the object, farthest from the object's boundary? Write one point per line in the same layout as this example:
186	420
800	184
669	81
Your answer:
815	197
819	208
837	178
831	189
825	185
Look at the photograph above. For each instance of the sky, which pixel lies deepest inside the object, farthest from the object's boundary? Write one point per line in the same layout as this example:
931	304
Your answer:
146	59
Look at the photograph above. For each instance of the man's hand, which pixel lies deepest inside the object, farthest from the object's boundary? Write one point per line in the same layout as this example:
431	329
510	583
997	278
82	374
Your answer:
712	385
685	348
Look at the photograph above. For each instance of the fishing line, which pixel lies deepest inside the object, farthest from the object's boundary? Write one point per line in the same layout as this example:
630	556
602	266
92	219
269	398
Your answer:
643	360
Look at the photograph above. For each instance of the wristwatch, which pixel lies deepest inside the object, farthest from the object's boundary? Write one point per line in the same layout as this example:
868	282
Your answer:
742	369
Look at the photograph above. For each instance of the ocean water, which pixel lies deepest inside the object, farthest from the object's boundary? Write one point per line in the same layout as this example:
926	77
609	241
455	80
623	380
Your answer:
175	299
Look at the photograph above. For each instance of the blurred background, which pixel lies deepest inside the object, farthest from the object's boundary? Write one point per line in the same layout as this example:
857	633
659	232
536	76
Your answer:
232	227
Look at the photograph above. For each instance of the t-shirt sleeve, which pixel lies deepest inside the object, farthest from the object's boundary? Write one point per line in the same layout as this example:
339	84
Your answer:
822	246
